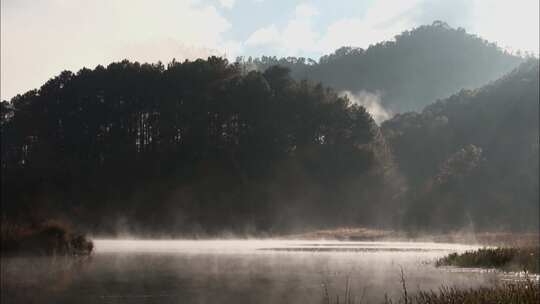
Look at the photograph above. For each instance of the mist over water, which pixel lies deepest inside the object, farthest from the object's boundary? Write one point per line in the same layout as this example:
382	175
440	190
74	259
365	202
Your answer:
234	271
194	167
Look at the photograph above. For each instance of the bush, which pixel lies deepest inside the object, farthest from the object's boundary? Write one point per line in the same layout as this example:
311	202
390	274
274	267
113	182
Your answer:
508	259
48	238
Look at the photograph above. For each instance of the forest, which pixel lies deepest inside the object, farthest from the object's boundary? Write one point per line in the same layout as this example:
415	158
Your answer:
270	145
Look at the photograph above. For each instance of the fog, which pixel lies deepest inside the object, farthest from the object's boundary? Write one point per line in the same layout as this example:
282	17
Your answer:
372	103
235	271
227	151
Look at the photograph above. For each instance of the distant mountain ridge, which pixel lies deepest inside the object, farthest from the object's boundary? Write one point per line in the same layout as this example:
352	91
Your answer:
424	64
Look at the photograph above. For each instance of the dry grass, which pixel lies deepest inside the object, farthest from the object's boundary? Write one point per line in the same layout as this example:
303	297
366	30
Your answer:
527	292
524	293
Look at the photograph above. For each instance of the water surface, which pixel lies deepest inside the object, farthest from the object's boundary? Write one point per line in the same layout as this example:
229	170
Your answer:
233	271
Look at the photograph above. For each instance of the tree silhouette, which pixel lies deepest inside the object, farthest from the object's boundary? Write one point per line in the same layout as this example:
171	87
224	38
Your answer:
86	139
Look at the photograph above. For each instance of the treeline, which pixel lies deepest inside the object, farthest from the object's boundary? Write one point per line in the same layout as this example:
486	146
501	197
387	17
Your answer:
206	146
471	160
421	65
191	146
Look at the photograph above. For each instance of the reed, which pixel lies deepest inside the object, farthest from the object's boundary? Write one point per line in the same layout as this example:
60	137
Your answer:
523	292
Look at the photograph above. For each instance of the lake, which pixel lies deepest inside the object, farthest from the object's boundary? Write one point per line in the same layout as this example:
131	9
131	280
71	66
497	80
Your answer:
233	271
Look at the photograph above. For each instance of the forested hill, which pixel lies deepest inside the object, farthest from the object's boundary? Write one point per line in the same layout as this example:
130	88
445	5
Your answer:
202	147
191	146
472	159
427	63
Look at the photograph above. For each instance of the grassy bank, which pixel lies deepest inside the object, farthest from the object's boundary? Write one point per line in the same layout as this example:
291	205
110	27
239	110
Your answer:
527	292
47	238
505	258
523	293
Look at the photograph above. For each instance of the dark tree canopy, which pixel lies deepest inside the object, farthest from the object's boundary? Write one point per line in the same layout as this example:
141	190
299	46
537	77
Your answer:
193	143
206	146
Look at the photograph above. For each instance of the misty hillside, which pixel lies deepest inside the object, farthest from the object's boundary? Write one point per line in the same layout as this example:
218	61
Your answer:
203	146
420	66
473	158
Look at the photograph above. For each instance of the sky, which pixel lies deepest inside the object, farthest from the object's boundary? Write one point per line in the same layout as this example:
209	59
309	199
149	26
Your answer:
41	38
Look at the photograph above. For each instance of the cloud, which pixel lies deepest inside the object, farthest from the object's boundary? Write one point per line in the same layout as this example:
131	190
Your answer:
302	33
232	49
42	38
456	12
297	35
372	103
338	34
382	21
304	10
264	36
227	3
160	50
512	24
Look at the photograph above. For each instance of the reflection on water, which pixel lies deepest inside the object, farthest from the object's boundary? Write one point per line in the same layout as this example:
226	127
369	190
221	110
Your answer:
232	271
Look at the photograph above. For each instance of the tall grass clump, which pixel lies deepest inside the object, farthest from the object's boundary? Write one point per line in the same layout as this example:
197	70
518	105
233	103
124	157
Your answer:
521	292
505	258
347	298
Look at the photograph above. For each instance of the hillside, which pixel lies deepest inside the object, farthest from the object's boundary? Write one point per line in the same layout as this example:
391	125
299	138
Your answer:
203	147
472	159
421	65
